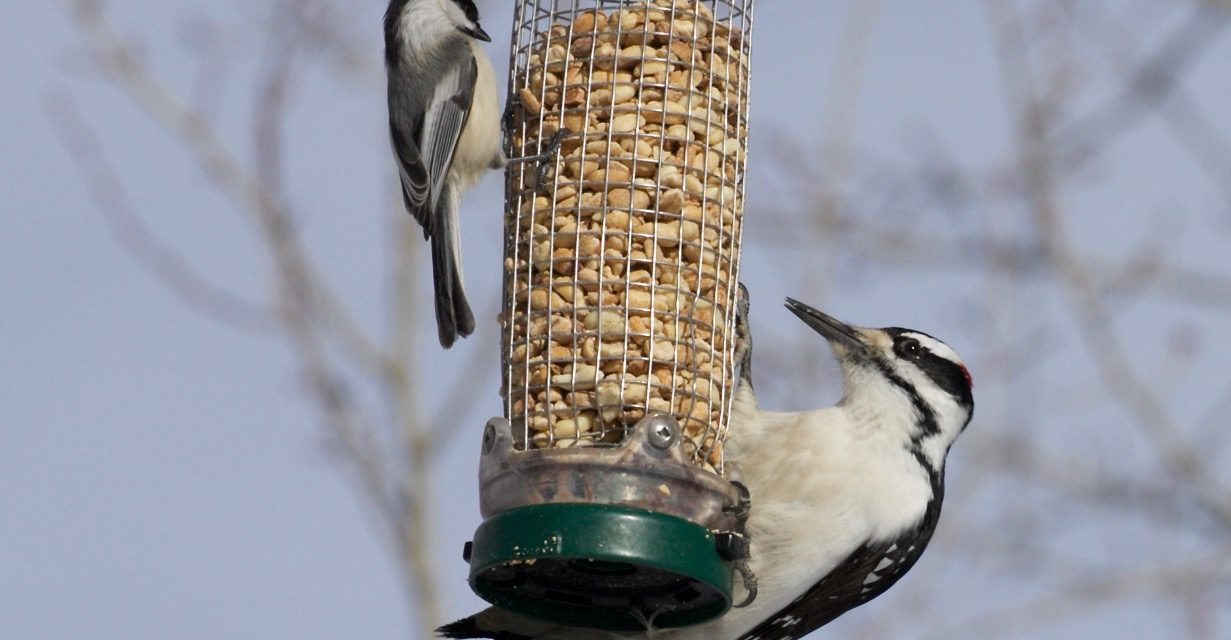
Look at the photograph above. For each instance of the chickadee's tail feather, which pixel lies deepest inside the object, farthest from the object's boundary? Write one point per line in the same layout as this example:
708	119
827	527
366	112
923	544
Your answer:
453	316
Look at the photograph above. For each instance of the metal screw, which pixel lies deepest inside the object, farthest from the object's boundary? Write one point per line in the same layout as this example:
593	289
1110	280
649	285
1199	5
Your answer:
662	430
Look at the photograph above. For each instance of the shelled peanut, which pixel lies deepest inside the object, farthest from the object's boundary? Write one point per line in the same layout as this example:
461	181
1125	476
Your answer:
620	268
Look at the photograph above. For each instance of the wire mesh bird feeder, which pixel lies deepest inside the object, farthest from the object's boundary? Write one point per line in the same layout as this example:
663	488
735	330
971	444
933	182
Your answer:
604	491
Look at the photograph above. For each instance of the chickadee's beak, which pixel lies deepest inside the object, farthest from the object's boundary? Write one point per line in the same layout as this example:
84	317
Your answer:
477	33
842	336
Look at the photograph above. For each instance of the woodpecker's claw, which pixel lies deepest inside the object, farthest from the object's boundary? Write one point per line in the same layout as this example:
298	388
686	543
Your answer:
750	583
743	337
735	546
742	508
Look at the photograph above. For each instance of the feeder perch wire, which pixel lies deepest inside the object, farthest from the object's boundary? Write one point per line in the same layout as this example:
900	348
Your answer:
621	267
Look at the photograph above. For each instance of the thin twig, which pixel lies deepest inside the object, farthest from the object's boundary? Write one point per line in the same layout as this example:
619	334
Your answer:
1121	379
307	310
217	160
1081	595
1146	88
414	432
137	239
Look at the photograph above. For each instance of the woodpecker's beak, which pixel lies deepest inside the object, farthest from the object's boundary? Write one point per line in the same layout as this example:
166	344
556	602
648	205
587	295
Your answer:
477	33
839	334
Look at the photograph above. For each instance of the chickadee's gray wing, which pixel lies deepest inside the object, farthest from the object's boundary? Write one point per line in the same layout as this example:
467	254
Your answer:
446	116
425	133
414	177
427	112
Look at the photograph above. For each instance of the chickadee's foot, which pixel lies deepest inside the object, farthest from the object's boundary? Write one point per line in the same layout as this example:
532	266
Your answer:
508	122
743	336
549	153
545	159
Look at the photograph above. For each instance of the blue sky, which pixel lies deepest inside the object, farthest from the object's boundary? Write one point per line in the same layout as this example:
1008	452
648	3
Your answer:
164	476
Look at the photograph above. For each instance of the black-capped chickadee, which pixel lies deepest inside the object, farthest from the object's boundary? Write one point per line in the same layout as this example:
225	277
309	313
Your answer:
445	122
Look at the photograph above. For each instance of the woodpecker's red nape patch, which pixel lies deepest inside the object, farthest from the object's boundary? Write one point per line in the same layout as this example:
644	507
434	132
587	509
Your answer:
970	382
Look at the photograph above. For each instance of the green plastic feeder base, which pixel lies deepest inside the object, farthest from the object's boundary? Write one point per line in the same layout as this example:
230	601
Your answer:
603	566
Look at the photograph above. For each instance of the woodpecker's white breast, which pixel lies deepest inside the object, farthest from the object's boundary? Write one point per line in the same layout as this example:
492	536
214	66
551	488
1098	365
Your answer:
823	483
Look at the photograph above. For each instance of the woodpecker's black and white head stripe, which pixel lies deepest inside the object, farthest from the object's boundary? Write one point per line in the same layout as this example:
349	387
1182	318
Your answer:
936	359
923	369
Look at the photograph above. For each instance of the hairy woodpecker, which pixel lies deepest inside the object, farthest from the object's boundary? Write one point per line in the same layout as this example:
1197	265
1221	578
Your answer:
844	499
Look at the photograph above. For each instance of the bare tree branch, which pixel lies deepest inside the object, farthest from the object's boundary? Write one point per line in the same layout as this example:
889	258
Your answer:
1177	454
1148	274
131	233
1146	88
314	320
1208	146
1079	597
219	163
416	531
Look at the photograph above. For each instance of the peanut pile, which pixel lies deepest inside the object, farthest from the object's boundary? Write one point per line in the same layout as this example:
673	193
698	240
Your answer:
619	268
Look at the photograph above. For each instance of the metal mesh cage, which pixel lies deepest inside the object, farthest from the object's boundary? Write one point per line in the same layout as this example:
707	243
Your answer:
621	267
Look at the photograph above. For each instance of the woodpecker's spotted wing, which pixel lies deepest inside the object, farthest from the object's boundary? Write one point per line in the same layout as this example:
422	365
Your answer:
864	575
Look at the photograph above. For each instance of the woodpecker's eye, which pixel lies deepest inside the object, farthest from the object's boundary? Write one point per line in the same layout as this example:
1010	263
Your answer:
910	348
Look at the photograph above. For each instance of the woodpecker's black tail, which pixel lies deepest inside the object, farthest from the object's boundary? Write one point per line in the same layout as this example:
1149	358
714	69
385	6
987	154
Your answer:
464	628
469	628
